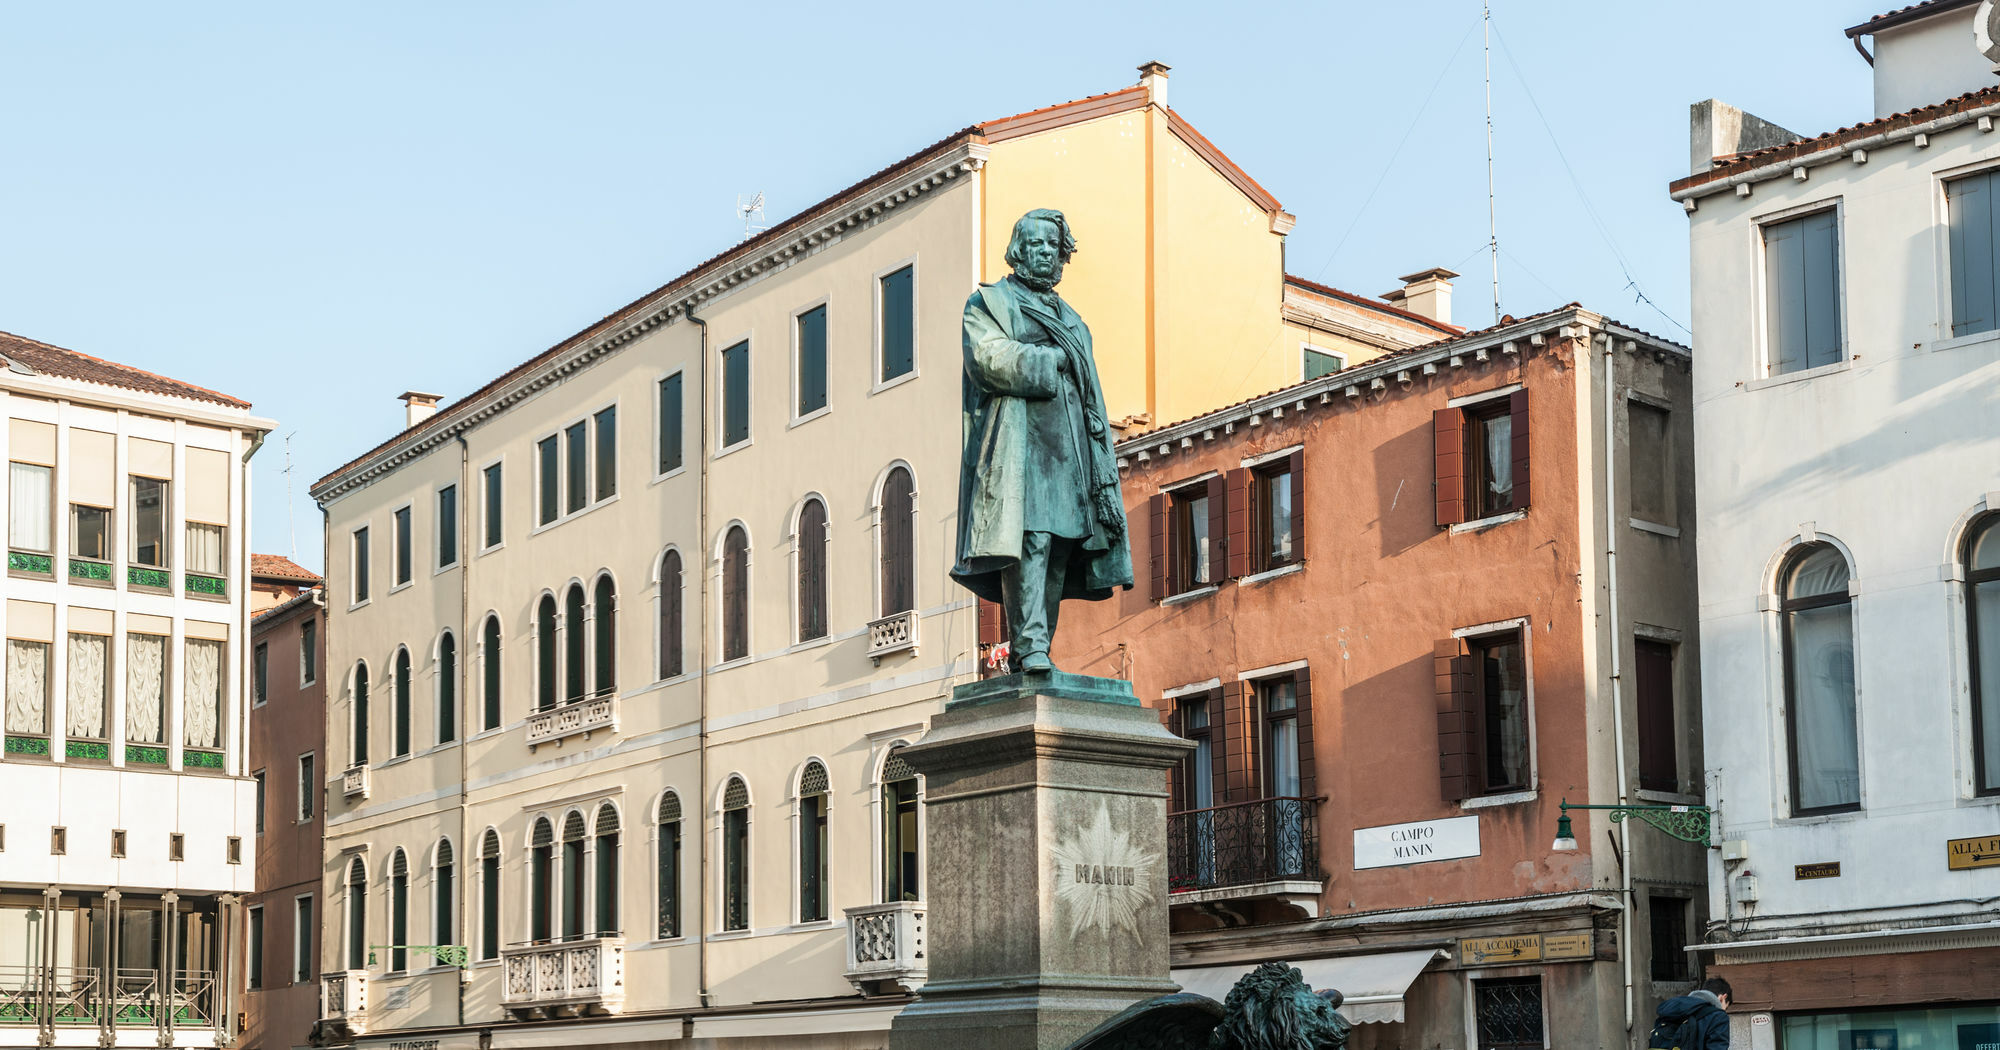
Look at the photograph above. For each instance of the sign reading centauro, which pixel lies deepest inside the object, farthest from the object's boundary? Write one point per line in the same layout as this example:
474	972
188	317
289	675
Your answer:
1416	843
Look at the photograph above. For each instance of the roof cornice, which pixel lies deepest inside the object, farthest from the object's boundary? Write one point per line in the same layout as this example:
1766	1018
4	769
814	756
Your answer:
114	398
732	272
1795	159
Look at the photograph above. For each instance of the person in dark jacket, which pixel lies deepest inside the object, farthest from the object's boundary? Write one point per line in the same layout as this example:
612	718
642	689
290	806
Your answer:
1708	1006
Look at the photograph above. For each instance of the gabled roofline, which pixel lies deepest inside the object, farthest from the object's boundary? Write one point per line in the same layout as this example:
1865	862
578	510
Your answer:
1906	15
1376	305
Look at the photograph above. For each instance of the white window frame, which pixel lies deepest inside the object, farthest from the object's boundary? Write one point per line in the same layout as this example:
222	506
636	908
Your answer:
535	523
396	566
1522	626
659	610
253	922
876	384
877	763
302	940
356	580
721	855
875	540
1761	375
660	424
309	664
308	788
1941	206
798	855
717	565
792	408
437	690
491	615
1306	345
722	396
444	928
437	514
592	500
484	481
257	700
798	514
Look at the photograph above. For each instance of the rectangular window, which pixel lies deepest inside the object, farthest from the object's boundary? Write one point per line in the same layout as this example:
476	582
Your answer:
87	713
361	565
90	532
1975	280
28	690
149	522
30	490
447	526
1659	762
254	952
206	551
607	453
1667	921
259	778
201	694
232	850
812	360
1278	709
899	323
1650	469
1481	458
1322	362
1190	535
1802	327
59	842
495	519
118	843
302	940
1274	502
576	442
145	692
1500	677
1489	458
548	480
404	546
260	674
308	787
176	846
1508	1013
736	394
670	423
1194	787
308	652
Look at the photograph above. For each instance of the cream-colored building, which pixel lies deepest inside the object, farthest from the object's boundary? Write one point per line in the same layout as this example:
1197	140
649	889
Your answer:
128	811
624	641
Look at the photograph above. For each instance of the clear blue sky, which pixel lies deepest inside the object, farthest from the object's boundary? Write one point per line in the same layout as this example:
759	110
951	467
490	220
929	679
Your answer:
316	207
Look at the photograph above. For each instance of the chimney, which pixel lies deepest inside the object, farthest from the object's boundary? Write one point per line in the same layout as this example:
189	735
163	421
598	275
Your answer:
1153	77
1426	293
418	406
1718	129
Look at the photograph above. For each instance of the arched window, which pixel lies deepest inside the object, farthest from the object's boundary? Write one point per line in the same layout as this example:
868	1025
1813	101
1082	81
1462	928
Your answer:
1982	610
401	700
812	570
489	896
541	848
604	610
668	844
573	651
735	594
901	844
1819	681
360	741
574	834
899	527
447	690
736	855
545	653
357	914
607	869
812	843
490	668
399	912
444	900
670	614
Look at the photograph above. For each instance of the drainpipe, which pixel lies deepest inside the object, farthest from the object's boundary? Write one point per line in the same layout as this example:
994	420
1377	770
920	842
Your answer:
701	652
461	647
1617	659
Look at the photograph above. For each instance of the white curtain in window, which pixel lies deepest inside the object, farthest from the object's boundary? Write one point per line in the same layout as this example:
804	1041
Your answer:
28	507
145	687
1500	457
203	694
27	687
204	548
88	664
1829	770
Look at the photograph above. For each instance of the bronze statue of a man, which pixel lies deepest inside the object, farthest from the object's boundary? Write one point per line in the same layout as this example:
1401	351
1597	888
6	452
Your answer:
1040	518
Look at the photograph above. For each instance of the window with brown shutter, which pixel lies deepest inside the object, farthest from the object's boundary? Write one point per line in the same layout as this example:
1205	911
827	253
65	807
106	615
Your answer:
670	614
1218	528
1448	464
1308	769
898	546
1659	768
1276	514
1500	712
1156	516
1517	411
1189	540
1457	743
1237	485
1195	777
735	594
1232	747
812	570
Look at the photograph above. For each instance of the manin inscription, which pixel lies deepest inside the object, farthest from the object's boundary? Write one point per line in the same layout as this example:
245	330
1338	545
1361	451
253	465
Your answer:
1103	879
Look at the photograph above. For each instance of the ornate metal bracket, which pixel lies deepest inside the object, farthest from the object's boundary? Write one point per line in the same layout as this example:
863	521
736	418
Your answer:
446	954
1686	823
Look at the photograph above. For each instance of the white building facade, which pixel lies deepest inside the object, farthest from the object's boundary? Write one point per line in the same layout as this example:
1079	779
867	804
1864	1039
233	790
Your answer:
1847	431
128	816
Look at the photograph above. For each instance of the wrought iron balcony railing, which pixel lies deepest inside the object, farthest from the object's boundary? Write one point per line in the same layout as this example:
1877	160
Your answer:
1271	840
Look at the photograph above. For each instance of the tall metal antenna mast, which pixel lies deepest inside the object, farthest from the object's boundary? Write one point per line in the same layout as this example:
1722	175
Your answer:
291	526
1492	225
752	212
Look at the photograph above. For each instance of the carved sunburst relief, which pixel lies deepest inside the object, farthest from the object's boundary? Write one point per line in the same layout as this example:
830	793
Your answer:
1103	879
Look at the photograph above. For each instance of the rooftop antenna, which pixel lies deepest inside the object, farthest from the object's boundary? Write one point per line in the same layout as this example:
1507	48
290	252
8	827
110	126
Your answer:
1492	226
291	526
752	211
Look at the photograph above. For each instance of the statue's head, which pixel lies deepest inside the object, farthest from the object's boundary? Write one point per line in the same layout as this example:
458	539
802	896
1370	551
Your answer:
1040	246
1271	1008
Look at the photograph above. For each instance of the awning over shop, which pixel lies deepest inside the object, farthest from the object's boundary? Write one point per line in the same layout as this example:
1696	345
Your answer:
1373	986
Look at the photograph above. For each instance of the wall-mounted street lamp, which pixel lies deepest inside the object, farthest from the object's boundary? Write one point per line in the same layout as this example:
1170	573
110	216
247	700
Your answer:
1686	823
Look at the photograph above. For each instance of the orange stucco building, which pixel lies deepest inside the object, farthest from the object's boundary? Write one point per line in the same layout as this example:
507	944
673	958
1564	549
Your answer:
1405	610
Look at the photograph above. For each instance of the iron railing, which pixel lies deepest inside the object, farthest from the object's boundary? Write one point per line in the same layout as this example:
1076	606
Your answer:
75	996
1269	840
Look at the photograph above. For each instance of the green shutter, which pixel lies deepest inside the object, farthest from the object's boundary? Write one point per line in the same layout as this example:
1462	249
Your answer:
812	360
899	323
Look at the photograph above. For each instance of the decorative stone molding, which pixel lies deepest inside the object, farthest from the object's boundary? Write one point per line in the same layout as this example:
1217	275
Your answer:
569	979
354	782
586	716
886	948
343	1001
894	633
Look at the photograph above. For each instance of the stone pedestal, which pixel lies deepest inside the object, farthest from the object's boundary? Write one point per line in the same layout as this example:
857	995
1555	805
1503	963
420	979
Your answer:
1046	826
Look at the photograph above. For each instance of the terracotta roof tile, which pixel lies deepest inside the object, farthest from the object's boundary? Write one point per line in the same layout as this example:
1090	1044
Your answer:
277	566
304	597
68	364
1740	162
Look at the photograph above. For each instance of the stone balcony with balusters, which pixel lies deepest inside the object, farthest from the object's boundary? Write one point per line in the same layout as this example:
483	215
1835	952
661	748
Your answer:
886	949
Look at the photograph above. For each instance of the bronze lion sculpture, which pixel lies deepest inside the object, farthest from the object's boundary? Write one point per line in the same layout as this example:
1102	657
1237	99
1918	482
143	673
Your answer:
1271	1008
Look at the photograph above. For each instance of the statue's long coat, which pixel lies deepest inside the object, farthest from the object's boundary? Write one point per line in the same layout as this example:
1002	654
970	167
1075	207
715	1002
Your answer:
1001	376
